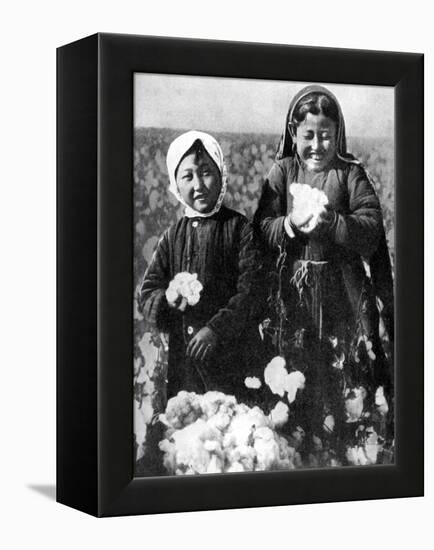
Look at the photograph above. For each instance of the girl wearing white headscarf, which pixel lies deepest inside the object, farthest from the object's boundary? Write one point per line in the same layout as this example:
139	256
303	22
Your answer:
213	337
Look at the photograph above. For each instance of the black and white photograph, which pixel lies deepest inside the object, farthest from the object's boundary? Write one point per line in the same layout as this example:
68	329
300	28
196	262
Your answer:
195	195
264	254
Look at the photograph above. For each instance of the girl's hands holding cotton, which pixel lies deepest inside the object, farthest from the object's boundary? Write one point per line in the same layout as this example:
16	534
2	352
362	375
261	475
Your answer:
299	220
326	220
176	301
308	206
202	344
184	289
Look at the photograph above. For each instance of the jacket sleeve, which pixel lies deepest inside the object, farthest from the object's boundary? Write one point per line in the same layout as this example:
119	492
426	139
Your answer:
270	215
359	230
246	303
152	297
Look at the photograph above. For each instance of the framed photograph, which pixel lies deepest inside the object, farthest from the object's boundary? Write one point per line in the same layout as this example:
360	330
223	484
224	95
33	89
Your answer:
239	228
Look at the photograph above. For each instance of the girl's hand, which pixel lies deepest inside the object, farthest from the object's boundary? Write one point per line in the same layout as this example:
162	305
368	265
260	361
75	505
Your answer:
299	221
202	344
325	221
180	303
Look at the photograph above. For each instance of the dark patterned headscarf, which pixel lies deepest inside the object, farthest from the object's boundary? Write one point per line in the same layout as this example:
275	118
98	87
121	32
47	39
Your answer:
286	144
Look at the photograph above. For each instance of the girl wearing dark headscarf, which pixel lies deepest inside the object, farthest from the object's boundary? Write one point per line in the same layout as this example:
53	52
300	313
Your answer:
327	269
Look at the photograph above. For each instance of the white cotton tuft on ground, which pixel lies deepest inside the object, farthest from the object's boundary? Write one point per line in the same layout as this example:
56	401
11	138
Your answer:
213	433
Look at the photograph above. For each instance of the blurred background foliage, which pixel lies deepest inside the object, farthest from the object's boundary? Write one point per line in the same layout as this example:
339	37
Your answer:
249	158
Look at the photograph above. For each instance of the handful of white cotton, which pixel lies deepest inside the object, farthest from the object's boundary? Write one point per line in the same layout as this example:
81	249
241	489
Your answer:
213	433
308	201
186	285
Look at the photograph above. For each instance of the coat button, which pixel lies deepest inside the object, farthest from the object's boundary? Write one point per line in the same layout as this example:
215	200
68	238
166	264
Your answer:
195	224
190	330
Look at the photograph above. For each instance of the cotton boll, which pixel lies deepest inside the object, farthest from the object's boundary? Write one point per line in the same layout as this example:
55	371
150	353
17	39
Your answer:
361	456
171	293
212	401
275	375
195	286
329	423
352	456
357	456
354	403
240	430
221	420
192	300
215	465
190	445
226	436
279	415
182	409
184	284
247	458
293	382
211	445
257	417
252	382
241	408
381	402
286	455
267	449
371	446
235	467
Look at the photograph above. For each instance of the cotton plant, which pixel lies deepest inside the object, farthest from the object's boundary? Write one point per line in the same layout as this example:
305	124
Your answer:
148	372
308	201
213	433
186	285
367	448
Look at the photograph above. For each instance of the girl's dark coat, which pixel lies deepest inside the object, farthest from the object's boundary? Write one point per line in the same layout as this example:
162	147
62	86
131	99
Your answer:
221	251
356	232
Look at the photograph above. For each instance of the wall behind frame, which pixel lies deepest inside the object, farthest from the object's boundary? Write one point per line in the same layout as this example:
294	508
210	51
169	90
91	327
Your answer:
31	34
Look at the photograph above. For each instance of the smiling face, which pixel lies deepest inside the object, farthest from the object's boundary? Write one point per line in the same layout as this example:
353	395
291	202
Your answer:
315	140
199	181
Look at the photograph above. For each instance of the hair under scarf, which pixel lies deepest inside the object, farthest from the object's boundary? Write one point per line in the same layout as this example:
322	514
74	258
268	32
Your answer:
177	150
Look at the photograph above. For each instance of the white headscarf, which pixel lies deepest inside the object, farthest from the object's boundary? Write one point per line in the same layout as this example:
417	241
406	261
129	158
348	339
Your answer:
177	150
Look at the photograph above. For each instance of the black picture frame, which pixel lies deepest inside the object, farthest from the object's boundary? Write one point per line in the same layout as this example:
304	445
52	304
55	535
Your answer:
95	274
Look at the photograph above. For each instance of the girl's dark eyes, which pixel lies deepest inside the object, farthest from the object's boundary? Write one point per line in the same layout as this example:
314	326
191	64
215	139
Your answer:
323	136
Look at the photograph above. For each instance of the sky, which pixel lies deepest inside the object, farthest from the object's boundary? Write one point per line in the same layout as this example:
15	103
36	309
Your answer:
246	105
